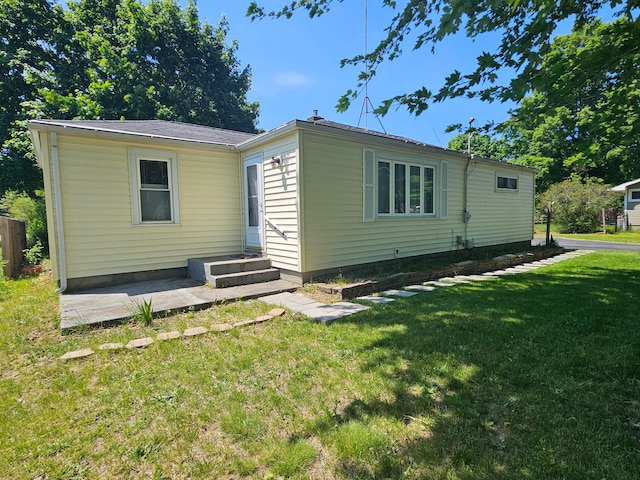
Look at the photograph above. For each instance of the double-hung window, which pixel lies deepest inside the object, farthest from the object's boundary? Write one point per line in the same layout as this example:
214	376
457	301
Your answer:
405	188
154	186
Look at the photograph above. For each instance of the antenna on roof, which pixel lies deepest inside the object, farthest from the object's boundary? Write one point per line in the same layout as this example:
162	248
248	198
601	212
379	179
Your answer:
367	101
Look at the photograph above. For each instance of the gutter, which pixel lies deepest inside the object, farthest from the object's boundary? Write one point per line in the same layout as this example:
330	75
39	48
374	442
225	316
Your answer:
57	200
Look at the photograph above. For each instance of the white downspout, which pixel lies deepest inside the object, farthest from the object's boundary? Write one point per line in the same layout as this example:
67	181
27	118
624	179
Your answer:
57	200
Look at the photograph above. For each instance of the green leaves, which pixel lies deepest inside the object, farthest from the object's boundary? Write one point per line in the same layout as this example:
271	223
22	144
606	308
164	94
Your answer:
511	71
112	59
583	117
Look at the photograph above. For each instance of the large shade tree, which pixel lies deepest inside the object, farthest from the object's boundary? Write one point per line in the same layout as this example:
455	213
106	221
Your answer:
527	29
113	59
579	94
579	122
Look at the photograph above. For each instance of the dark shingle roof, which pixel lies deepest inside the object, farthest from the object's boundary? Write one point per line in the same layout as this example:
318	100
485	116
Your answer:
157	129
349	128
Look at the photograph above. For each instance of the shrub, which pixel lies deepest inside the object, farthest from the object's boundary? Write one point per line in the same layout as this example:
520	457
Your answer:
33	255
577	205
30	210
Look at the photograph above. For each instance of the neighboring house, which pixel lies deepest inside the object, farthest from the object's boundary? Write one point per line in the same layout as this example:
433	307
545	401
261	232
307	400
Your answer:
631	191
128	200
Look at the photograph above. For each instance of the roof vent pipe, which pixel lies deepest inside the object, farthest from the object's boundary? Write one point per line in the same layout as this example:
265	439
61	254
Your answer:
315	117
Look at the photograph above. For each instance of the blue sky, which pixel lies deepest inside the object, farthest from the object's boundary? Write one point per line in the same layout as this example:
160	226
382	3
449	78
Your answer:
295	67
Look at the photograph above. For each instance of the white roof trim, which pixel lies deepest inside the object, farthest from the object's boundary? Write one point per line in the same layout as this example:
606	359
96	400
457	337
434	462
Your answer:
52	125
623	186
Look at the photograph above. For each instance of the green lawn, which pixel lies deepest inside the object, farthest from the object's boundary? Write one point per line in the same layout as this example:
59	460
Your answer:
629	236
534	376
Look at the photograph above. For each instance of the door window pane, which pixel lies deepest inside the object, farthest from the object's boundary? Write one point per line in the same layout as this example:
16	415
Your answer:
252	195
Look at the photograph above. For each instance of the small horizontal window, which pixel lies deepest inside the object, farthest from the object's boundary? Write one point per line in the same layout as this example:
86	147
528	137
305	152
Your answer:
634	195
506	183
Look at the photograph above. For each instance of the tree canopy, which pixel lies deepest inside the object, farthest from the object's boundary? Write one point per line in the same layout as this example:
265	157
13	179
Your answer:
580	122
527	29
112	59
578	95
482	144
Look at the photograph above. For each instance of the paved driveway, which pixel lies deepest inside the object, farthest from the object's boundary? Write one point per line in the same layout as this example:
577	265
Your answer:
572	244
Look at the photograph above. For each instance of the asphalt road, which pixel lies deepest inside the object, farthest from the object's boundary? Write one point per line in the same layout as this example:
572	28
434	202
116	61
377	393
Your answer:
589	244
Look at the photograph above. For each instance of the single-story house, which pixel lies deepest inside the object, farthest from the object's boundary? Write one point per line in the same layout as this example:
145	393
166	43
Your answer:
631	191
128	200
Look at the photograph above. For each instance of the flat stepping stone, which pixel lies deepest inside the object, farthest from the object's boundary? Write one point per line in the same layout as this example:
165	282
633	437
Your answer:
512	271
398	293
168	335
374	299
140	342
243	323
262	318
293	301
481	278
438	283
111	346
77	354
349	307
306	306
192	332
334	311
421	288
500	273
457	279
221	327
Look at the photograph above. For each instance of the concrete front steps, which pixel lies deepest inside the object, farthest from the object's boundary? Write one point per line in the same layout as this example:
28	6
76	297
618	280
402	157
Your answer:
232	272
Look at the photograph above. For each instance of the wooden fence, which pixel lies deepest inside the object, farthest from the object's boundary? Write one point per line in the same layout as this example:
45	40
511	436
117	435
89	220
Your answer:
13	240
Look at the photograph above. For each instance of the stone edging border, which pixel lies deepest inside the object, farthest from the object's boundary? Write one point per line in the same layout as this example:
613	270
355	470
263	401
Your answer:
189	332
469	267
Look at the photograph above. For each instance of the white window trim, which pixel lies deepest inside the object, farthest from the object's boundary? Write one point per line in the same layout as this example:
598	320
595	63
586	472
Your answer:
633	200
509	176
137	154
408	164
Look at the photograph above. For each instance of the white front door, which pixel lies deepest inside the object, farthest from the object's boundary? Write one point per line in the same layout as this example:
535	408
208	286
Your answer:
253	203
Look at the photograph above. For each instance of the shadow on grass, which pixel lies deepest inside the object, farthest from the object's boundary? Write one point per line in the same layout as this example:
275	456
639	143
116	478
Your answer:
531	376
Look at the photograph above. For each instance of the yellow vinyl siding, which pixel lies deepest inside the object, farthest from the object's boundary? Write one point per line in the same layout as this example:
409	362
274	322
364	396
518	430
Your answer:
281	201
334	231
497	215
96	197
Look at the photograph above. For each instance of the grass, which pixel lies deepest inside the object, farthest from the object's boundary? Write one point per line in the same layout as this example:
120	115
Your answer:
531	376
628	236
